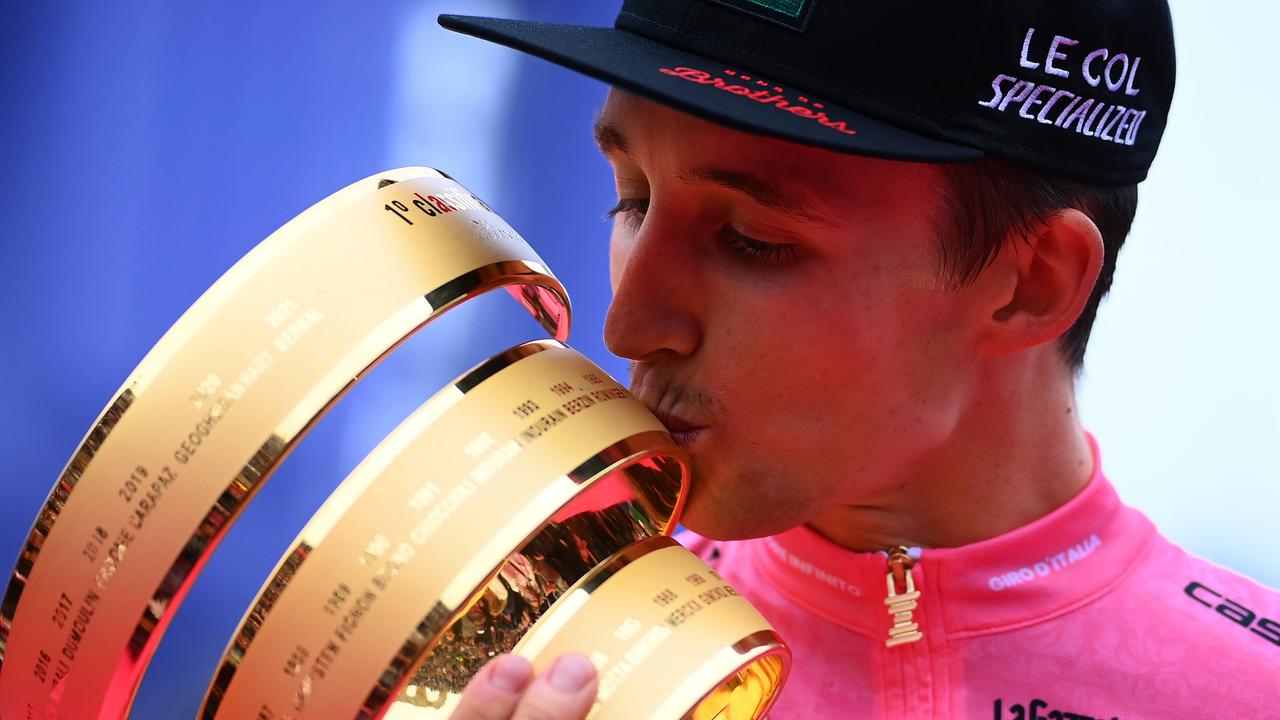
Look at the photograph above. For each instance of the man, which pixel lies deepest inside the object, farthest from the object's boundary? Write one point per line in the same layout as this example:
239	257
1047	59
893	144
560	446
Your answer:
856	257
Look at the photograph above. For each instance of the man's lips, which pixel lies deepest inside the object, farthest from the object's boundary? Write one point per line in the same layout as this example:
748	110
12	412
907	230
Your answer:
686	433
675	423
662	397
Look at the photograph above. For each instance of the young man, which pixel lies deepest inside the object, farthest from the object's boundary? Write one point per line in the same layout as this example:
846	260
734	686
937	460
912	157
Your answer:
857	253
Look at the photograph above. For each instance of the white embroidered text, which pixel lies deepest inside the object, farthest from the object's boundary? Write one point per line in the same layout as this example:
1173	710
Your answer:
1108	120
1049	565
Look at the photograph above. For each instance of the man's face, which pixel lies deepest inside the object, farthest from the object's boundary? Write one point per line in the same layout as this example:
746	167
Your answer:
785	301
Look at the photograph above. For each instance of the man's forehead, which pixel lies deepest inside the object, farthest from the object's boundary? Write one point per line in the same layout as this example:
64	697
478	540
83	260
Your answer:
628	119
811	184
702	157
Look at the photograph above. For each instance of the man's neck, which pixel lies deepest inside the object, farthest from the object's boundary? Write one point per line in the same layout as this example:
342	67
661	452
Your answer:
1017	453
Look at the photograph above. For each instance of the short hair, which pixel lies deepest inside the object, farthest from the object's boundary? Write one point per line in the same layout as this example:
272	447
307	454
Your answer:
987	203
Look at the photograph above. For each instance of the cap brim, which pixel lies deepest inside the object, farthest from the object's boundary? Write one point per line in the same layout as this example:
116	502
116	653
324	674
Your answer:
635	63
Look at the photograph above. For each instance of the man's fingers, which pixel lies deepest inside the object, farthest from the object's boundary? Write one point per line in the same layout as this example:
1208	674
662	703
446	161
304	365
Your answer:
495	691
503	691
564	691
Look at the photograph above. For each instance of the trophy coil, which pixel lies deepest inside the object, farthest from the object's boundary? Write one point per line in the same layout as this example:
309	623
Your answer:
216	405
527	507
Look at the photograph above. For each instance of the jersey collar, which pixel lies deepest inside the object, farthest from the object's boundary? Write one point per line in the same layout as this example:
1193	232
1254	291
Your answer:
1056	563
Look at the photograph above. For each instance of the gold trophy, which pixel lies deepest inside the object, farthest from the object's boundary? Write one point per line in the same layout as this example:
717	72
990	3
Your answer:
526	507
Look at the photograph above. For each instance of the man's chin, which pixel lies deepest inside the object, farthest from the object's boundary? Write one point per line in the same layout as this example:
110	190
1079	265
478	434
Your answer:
729	521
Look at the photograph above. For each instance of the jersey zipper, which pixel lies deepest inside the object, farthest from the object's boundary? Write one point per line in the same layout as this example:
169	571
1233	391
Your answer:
912	690
902	597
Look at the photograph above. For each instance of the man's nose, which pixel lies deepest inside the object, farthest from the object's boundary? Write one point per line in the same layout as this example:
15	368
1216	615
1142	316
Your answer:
654	312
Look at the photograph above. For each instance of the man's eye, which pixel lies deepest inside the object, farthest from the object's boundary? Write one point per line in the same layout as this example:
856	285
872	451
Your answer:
755	249
634	208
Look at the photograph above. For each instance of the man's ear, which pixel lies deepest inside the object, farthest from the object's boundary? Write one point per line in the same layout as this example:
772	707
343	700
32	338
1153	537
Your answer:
1039	284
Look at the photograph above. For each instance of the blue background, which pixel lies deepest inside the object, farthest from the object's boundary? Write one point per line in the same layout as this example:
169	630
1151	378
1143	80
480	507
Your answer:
148	145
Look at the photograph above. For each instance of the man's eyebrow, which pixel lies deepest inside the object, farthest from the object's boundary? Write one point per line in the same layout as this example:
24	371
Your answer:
764	192
610	138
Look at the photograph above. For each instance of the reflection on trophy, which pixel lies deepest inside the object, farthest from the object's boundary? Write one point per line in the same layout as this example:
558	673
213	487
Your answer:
525	508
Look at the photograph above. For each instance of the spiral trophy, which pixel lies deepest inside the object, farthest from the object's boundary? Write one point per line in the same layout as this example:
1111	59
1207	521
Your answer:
526	507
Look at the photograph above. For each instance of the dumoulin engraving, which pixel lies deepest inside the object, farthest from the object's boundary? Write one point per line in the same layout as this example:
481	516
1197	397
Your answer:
76	625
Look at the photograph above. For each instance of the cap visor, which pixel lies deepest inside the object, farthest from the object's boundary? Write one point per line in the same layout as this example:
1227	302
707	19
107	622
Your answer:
706	88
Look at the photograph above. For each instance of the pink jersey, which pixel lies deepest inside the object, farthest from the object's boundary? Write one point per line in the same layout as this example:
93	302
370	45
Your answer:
1087	612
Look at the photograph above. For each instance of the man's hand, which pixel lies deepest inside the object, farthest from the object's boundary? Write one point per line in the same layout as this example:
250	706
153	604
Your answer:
505	689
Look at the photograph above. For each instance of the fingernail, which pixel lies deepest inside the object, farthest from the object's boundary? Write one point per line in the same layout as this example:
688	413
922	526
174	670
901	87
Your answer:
510	673
571	672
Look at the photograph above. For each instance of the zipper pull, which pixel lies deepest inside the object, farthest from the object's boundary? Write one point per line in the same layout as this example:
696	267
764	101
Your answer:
901	604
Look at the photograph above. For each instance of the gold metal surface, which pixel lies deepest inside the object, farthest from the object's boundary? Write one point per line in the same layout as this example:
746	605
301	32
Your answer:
750	691
524	508
670	638
215	406
455	534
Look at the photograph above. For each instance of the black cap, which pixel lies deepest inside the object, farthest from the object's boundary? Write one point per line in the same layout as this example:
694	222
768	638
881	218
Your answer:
1080	89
